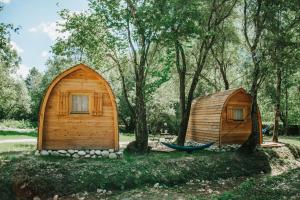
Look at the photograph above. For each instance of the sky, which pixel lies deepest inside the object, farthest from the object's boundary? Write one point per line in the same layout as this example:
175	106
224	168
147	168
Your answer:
37	21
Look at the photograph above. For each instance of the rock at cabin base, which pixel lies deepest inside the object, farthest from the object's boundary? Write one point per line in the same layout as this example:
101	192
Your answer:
105	153
44	153
81	153
37	153
75	156
62	151
98	152
110	150
92	152
112	156
71	151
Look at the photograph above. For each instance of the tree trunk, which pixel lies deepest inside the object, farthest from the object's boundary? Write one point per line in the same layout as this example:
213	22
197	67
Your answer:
141	119
224	76
250	145
286	124
277	105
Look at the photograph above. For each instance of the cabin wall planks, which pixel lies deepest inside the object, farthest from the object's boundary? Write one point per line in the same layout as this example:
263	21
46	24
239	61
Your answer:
94	125
211	118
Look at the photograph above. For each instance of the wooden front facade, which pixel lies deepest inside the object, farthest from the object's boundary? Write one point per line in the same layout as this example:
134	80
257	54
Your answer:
78	111
223	117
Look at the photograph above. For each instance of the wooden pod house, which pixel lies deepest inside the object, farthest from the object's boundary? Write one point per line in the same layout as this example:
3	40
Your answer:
78	111
223	117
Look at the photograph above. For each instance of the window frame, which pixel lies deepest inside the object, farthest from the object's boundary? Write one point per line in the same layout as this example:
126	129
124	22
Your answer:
80	112
90	103
230	113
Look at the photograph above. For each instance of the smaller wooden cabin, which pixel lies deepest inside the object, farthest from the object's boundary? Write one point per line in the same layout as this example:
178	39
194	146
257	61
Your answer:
78	111
223	117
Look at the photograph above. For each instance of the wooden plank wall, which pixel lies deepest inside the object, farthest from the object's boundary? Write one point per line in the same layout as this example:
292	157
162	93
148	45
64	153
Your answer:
236	132
63	130
205	117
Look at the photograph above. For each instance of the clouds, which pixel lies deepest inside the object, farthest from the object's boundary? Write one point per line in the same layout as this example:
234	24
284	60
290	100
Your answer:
5	1
51	29
16	47
45	54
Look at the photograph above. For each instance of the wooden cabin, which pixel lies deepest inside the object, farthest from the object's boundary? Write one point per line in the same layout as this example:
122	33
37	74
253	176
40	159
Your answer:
223	117
78	111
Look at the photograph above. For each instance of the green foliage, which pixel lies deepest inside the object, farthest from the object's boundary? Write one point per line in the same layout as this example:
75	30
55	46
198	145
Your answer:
22	124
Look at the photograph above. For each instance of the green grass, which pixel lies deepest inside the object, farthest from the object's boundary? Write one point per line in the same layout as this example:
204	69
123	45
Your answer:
16	134
127	137
16	147
295	140
284	186
46	176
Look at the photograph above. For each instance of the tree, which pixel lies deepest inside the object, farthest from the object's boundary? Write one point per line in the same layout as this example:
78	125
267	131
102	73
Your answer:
191	28
253	28
33	83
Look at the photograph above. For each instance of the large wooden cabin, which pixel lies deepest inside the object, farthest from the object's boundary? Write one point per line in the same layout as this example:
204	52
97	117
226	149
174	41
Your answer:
223	117
78	111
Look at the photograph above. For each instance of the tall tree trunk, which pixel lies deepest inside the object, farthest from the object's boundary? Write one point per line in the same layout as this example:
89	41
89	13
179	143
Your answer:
286	124
141	119
277	105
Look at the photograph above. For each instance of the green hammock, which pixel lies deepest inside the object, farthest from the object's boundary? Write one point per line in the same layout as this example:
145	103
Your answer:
188	149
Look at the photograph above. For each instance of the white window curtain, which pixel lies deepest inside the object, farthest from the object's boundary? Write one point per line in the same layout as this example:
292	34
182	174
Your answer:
238	114
80	103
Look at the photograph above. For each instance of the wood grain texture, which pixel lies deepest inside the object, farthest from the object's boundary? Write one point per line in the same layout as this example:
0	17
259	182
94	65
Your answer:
59	128
210	121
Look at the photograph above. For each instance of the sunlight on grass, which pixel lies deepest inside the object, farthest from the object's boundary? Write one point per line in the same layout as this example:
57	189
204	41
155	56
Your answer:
295	140
17	147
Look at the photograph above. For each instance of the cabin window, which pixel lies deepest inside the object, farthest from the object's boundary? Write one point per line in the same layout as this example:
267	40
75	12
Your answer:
238	114
80	104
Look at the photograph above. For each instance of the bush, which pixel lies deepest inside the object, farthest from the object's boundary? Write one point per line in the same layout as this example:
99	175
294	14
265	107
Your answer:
22	124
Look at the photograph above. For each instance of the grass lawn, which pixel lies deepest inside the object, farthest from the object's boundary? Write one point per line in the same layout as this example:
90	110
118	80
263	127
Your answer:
295	140
200	175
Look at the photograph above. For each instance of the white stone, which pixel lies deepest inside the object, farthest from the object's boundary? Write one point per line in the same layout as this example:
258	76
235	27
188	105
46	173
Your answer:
93	156
92	152
71	151
110	150
36	198
156	185
112	156
55	197
37	153
98	152
54	153
68	155
100	156
87	156
62	151
109	192
75	155
87	151
81	153
44	153
76	150
105	153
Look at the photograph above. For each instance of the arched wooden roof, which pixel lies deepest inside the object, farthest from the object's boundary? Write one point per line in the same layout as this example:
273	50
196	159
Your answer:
216	101
56	81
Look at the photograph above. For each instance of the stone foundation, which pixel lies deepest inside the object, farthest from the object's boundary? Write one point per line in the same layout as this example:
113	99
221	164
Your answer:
109	153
